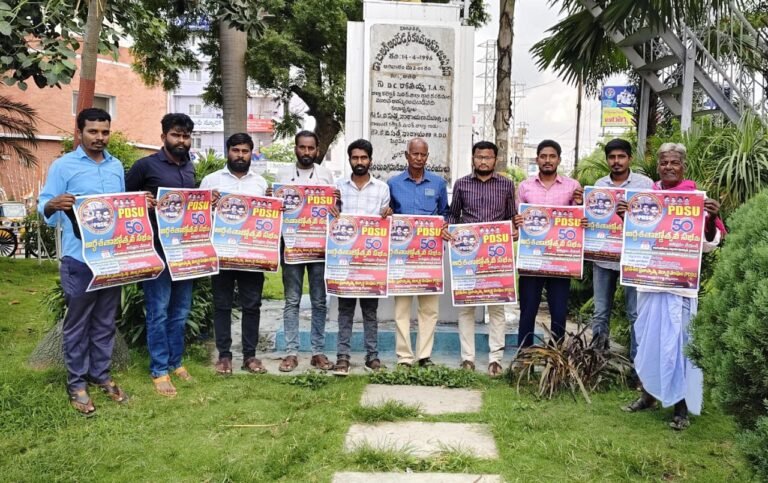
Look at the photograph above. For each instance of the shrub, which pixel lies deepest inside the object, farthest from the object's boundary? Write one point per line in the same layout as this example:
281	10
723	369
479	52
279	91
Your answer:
118	146
731	329
207	163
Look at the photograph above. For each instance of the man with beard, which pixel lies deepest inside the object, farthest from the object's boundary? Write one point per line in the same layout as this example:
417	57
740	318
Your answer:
545	188
167	302
89	322
305	172
481	197
618	154
236	177
416	191
361	194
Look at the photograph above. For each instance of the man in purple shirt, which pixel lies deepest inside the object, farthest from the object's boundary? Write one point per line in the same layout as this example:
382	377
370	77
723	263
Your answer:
546	188
482	197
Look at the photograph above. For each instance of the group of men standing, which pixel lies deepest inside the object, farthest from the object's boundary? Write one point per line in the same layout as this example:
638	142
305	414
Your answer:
480	197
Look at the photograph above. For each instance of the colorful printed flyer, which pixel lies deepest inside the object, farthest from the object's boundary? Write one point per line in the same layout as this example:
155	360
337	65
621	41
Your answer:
184	224
416	255
246	232
551	241
604	234
117	238
357	256
305	221
663	238
482	264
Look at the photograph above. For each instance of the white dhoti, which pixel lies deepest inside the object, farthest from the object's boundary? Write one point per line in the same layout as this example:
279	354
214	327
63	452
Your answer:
661	330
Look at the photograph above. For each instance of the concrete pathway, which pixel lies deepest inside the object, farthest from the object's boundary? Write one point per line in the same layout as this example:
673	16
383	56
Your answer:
430	400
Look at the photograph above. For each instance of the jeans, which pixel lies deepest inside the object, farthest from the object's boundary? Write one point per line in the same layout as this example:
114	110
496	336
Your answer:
89	326
558	290
249	286
293	283
604	286
168	304
370	326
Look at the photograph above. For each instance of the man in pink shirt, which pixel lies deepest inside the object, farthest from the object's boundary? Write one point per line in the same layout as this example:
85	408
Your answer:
546	188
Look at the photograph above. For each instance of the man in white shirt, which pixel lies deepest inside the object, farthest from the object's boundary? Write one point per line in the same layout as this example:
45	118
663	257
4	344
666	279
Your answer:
237	177
305	172
361	194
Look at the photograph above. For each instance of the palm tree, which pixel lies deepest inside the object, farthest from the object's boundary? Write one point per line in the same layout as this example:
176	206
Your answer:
503	106
89	56
234	94
18	123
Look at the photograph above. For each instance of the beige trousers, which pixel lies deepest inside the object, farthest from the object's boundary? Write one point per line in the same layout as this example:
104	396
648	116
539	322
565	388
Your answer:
496	336
427	317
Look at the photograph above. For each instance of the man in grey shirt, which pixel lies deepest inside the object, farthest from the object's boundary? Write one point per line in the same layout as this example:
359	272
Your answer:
605	275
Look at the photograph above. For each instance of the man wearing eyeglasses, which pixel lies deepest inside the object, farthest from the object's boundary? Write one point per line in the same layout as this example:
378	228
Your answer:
416	191
481	197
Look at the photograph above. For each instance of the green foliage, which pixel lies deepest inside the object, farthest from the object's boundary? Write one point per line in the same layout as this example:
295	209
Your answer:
54	303
427	376
731	328
119	146
32	223
207	163
516	174
18	123
310	380
375	459
569	364
389	411
279	152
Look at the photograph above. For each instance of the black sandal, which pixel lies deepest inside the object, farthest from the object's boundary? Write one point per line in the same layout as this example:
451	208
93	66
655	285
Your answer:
81	401
113	391
679	423
640	404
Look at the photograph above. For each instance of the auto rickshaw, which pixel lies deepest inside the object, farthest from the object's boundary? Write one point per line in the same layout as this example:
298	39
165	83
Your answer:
12	214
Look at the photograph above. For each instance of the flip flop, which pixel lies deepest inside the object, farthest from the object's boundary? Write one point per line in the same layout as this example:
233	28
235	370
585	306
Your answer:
163	386
113	391
182	373
81	401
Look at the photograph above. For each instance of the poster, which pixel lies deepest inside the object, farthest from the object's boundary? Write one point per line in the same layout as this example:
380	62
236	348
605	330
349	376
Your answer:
551	241
184	224
357	256
416	249
604	233
305	221
482	264
617	106
246	232
663	237
118	242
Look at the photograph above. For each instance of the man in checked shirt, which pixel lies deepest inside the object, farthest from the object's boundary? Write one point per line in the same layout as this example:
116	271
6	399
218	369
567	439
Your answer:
481	197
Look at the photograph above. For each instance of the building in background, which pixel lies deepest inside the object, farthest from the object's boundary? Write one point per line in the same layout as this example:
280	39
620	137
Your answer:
136	110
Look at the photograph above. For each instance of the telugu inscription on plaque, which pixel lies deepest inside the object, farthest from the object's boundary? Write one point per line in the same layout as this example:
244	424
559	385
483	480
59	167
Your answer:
411	95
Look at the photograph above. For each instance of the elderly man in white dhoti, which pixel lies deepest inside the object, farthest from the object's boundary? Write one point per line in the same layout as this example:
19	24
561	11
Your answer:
663	315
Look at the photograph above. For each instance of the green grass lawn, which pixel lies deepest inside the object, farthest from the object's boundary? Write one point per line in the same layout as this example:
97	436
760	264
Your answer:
298	432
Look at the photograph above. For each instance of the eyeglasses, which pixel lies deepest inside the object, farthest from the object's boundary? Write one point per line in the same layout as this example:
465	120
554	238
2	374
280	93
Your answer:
671	162
484	158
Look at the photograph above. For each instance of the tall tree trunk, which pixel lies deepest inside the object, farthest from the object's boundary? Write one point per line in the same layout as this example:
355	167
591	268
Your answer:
234	88
503	81
326	128
89	57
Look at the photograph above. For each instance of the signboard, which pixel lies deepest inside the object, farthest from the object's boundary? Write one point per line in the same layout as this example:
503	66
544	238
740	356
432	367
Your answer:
663	237
412	71
618	106
551	241
357	256
482	264
246	232
604	233
305	221
416	255
117	239
184	224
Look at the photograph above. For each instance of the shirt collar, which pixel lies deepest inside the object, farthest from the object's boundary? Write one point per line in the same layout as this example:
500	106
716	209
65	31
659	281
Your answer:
493	176
407	175
163	157
83	155
226	171
558	179
625	182
349	181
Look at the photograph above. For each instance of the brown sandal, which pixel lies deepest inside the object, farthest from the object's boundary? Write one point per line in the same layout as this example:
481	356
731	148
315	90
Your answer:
163	386
182	373
113	391
253	366
81	401
288	364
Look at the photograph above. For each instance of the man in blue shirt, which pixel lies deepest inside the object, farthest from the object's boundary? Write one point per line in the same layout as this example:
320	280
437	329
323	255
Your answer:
416	191
89	322
167	302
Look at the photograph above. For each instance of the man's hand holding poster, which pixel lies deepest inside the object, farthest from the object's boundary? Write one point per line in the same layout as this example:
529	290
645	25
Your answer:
551	241
416	255
304	221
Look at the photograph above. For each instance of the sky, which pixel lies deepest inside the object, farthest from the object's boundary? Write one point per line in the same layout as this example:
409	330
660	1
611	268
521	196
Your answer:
549	110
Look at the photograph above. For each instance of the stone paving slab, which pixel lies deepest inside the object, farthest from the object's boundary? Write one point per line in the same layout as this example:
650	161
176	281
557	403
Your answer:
423	439
352	477
430	400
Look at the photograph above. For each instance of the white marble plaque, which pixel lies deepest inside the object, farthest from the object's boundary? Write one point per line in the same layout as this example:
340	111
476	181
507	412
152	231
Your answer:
411	95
